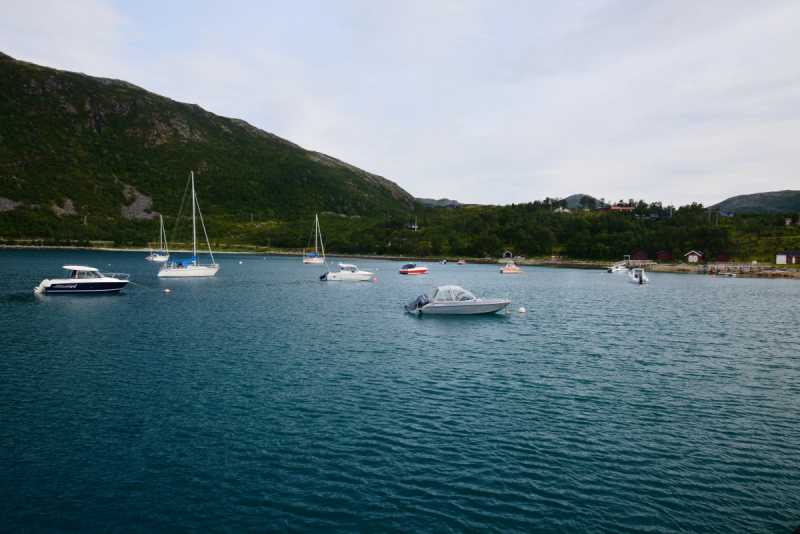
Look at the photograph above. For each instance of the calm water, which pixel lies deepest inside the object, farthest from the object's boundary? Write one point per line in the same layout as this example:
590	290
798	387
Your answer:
265	400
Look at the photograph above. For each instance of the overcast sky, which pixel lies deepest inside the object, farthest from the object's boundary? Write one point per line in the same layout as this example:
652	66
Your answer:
483	102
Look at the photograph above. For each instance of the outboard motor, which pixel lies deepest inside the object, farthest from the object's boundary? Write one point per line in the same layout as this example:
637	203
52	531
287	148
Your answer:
323	276
420	301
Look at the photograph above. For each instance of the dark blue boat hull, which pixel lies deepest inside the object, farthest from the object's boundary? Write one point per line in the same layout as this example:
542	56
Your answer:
86	287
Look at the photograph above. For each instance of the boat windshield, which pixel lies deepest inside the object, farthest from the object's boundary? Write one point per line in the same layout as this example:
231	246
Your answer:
452	293
409	266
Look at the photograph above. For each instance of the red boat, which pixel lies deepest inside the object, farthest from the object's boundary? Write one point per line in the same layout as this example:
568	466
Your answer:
411	268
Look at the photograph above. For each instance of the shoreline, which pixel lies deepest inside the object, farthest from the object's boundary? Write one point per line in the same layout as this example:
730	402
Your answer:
744	270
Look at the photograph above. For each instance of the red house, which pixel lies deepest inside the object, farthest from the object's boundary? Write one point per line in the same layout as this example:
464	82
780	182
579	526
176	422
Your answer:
639	254
723	257
663	255
694	256
787	256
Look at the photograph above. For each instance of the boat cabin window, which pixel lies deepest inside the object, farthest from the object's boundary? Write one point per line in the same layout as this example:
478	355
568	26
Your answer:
408	266
84	274
465	295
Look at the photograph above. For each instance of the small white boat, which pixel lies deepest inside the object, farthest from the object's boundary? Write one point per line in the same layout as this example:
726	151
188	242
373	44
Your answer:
727	275
160	256
413	268
455	300
510	268
618	267
443	262
347	273
315	258
83	279
462	262
189	268
638	276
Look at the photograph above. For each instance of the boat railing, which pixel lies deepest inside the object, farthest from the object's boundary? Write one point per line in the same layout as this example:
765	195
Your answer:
121	276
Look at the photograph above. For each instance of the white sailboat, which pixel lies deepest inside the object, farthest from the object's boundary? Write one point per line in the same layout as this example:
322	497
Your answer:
161	255
315	258
189	267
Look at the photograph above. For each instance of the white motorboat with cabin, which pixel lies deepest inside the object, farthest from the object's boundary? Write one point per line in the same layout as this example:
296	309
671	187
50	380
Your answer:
83	279
160	256
619	267
638	276
190	268
315	258
413	268
347	273
455	300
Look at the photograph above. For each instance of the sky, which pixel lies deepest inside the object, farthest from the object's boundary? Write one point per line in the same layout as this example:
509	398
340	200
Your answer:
488	102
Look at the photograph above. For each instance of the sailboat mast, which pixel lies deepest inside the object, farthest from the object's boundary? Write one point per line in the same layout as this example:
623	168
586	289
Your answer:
194	225
161	234
316	233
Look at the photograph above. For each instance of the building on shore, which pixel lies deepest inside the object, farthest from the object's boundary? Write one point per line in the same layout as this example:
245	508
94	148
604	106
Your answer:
693	256
663	255
639	254
787	256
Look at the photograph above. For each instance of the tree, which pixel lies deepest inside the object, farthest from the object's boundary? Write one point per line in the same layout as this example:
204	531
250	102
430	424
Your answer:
588	202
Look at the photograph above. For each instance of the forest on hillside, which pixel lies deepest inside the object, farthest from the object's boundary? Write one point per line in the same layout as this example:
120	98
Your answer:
532	229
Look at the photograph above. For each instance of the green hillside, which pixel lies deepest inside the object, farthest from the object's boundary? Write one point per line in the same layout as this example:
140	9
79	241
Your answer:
771	202
73	145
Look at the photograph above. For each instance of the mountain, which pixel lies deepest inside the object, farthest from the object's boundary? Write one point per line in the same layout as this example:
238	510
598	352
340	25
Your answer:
441	202
72	144
775	202
573	201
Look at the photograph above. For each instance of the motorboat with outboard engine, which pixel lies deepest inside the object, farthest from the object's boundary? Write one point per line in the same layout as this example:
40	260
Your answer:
619	267
83	279
413	268
462	262
637	276
347	273
455	300
510	268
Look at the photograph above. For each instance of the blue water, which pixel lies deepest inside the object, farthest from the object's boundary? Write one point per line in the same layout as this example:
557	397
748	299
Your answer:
265	400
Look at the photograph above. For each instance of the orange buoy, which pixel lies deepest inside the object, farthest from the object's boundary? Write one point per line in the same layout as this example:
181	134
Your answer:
374	279
713	276
216	265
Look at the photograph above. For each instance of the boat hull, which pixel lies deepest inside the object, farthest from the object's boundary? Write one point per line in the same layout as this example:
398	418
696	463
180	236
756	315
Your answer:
464	308
414	271
348	277
157	259
314	261
70	287
191	271
503	271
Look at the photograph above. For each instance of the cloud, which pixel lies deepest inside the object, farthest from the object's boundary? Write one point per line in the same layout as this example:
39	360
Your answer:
489	102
